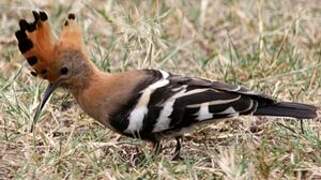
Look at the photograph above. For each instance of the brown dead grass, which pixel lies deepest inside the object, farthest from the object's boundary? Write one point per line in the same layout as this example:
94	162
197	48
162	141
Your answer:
270	46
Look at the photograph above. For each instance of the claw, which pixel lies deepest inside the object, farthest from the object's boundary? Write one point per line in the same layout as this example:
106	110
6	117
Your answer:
177	157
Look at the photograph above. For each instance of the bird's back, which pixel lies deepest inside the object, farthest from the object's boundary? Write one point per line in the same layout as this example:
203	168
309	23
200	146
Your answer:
163	103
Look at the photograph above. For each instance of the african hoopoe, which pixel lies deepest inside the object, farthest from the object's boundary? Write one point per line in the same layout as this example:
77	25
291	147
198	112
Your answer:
146	104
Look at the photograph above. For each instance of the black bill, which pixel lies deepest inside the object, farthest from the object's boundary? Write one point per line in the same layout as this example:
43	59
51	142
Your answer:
51	88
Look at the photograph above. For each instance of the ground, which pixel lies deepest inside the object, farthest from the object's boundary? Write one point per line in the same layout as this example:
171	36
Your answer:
269	46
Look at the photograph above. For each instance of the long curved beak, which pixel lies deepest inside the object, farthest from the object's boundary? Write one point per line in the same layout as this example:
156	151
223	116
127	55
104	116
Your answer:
50	89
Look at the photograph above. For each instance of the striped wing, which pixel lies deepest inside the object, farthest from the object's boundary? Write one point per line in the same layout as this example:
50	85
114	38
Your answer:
166	102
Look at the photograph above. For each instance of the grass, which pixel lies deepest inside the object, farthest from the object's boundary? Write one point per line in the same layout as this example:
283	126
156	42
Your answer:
269	46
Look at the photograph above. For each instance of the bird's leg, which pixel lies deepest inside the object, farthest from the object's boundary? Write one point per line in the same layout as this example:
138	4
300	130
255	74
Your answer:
177	152
157	147
302	128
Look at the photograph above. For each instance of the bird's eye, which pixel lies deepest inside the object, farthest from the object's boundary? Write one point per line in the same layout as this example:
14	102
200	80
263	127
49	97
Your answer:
63	71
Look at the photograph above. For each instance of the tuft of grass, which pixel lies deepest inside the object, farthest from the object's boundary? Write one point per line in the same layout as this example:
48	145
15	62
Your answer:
268	46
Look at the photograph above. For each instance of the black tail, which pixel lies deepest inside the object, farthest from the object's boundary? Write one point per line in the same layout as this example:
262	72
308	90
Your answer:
288	109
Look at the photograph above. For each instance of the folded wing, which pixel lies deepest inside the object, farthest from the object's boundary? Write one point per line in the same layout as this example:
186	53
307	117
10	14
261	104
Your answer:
165	102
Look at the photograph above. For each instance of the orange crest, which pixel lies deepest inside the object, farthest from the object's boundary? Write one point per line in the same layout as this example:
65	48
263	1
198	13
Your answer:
39	46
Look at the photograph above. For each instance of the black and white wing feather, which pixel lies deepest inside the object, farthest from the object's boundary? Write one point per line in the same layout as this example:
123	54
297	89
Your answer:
165	102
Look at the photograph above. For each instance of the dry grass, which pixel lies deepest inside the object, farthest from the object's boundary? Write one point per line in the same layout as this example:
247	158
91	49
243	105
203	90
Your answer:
270	46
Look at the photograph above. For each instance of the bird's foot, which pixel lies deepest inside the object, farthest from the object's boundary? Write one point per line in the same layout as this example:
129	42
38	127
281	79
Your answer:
177	157
137	158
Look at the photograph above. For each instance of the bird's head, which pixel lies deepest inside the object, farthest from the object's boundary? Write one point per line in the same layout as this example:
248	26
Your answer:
62	61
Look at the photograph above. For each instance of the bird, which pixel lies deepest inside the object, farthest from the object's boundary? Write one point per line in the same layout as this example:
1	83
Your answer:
149	104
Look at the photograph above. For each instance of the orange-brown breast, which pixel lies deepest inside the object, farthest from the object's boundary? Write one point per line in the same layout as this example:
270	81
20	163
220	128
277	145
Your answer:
107	92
